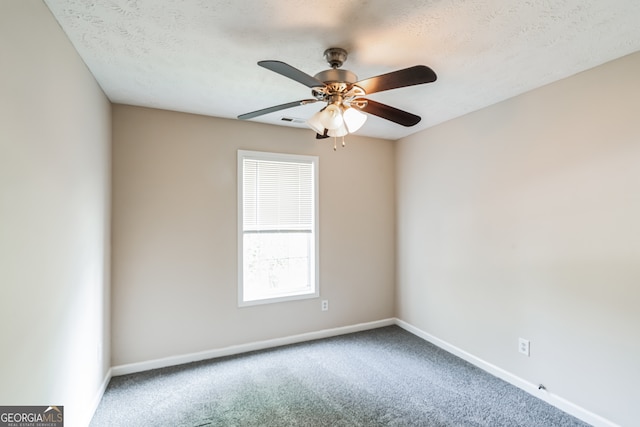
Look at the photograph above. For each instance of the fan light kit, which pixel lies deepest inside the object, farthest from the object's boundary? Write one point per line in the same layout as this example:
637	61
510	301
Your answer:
344	95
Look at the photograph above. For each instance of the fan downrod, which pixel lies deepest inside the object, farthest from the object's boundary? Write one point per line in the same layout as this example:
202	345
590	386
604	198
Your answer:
336	79
335	56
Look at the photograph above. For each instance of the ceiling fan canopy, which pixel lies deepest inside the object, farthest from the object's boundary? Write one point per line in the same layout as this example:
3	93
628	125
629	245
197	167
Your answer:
344	94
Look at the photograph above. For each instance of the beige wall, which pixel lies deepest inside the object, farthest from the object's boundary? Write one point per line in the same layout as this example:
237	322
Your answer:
521	220
54	218
174	234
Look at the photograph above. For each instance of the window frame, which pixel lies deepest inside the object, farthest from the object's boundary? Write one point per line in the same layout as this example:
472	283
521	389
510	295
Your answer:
278	157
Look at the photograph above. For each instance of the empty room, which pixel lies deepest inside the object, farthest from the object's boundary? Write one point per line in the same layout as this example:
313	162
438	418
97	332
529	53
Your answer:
346	213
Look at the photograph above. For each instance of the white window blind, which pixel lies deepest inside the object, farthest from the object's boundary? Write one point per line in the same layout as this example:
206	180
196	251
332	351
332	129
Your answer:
277	196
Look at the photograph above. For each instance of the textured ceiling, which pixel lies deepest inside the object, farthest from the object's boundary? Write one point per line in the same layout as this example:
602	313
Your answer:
199	56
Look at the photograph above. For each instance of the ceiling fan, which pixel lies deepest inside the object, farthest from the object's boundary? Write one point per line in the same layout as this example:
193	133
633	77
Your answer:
344	95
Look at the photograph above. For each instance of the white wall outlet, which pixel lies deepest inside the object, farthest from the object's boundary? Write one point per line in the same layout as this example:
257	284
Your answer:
325	305
523	346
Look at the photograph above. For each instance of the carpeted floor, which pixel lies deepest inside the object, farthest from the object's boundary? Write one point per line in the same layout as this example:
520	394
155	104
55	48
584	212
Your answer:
382	377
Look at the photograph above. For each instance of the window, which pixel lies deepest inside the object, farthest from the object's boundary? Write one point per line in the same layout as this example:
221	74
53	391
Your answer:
277	227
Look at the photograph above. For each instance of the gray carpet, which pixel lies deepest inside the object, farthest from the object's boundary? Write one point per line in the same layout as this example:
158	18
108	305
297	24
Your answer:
382	377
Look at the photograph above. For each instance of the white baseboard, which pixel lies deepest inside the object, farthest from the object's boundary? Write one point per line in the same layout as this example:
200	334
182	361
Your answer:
97	398
552	399
244	348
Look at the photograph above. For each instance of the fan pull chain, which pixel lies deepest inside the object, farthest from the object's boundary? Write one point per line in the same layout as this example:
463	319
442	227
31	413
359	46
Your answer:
335	143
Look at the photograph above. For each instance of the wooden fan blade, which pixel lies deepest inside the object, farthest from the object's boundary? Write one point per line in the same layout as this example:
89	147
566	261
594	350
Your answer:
415	75
275	108
291	72
387	112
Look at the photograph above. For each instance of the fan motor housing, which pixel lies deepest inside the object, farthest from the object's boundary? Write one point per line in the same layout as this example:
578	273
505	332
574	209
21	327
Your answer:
336	75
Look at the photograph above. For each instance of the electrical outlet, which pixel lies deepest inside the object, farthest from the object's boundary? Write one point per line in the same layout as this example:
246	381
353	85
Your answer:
523	346
325	305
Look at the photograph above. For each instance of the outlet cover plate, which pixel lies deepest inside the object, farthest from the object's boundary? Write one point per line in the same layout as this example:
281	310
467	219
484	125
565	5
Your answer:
523	346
